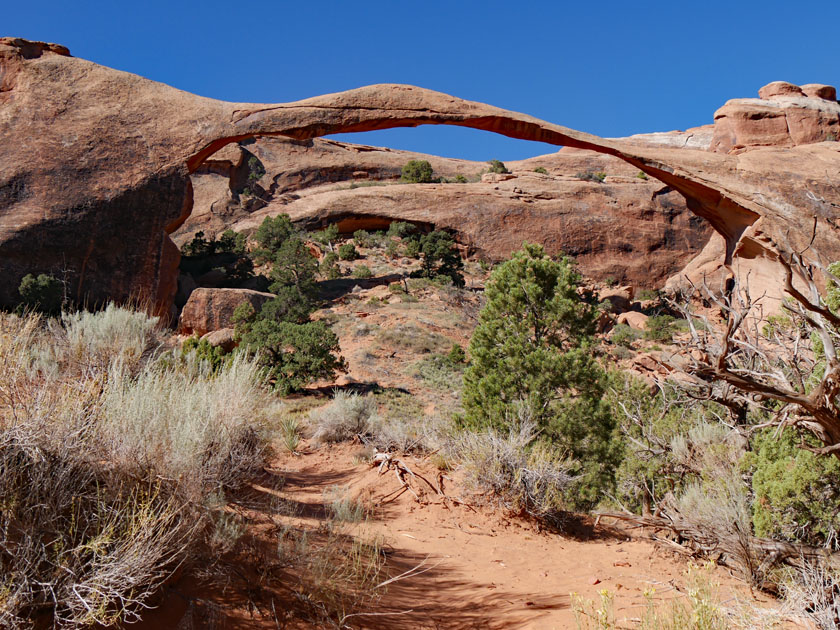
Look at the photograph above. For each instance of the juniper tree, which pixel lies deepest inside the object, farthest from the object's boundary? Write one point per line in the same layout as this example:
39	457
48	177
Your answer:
532	348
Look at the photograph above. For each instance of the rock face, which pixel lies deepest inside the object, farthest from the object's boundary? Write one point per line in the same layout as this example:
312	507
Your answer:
95	165
321	181
784	115
212	309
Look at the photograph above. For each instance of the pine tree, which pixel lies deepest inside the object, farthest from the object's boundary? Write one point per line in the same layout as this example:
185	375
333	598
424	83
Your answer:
533	348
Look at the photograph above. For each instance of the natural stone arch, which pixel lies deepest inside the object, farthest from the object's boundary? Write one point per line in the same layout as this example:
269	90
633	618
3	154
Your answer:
94	170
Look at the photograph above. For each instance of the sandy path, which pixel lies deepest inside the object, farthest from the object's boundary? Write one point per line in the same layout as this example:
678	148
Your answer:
484	570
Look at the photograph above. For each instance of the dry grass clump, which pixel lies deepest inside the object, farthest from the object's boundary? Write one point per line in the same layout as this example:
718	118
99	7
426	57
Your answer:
194	427
103	337
813	593
526	475
339	574
105	457
347	416
701	609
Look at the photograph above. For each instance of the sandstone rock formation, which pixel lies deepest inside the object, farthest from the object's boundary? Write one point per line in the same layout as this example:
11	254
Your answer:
212	309
321	181
95	164
784	115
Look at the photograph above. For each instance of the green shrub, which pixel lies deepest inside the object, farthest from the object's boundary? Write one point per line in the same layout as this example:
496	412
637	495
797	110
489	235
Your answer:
647	294
440	258
326	236
329	266
541	170
624	335
401	229
417	172
642	175
497	166
460	179
660	328
363	238
42	293
255	170
457	355
362	272
214	356
293	354
347	251
412	247
797	493
532	350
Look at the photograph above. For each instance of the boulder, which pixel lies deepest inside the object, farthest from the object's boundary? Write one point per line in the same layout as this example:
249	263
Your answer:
209	309
779	88
619	298
224	338
634	319
818	90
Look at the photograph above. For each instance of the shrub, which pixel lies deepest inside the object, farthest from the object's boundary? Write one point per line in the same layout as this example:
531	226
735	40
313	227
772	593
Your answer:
497	166
660	328
326	236
42	293
401	229
104	472
412	247
797	493
329	266
347	251
417	172
255	170
229	242
592	176
347	416
457	355
624	335
192	427
203	351
362	272
641	175
343	507
293	354
460	179
439	372
526	475
363	238
541	170
113	334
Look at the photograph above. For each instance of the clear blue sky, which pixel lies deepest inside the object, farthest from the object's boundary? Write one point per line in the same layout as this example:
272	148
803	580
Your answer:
609	68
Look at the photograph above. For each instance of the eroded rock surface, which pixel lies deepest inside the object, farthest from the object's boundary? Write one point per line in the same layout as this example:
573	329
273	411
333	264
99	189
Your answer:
784	115
625	229
95	164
